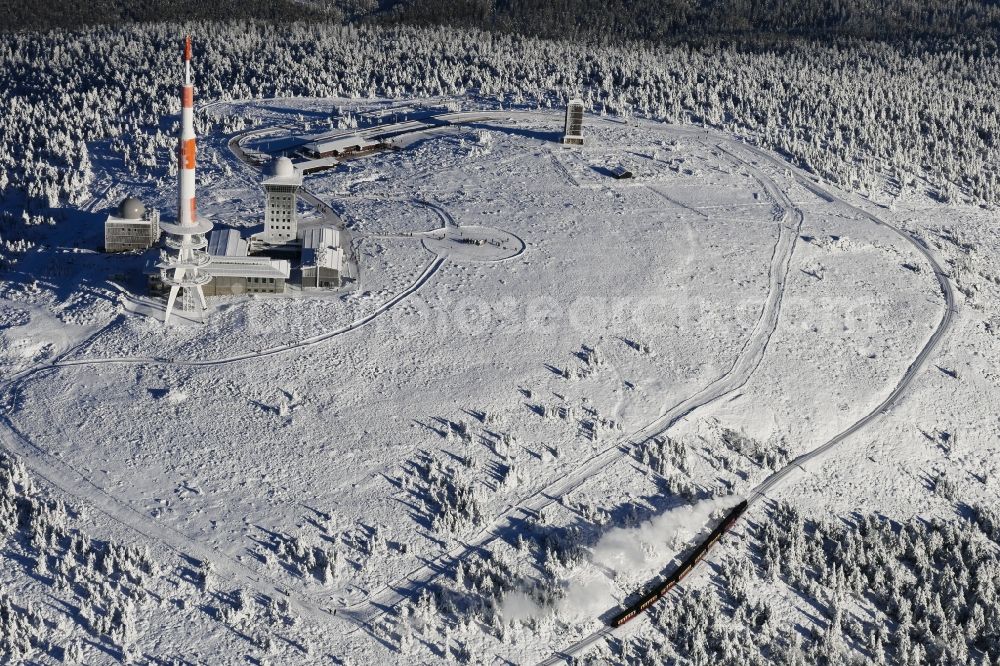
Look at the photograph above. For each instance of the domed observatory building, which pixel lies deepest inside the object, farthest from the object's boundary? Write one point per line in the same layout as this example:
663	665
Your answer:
131	227
281	190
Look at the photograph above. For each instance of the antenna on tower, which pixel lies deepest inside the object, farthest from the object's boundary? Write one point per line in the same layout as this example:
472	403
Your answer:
183	269
187	60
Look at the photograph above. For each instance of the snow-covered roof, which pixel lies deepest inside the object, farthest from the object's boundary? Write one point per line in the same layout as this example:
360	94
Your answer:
317	237
340	144
283	172
227	243
320	248
317	164
247	267
115	219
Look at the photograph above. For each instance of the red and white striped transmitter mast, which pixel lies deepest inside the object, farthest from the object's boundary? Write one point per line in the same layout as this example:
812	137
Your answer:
182	268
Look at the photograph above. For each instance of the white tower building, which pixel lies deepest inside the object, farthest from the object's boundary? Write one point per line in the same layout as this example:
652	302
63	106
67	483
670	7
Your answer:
182	268
573	134
282	188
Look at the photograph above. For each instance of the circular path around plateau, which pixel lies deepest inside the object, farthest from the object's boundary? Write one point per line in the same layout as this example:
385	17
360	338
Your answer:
473	244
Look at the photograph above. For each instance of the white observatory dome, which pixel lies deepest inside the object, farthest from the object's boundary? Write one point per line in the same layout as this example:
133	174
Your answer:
282	167
131	209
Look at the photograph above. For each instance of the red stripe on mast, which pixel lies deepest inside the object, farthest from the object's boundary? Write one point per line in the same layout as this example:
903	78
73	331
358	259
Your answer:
187	153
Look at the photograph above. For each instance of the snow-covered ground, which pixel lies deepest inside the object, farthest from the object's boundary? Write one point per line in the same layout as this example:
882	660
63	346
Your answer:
336	452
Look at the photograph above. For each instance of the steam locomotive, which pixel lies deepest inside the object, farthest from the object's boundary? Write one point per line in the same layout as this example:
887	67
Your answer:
683	570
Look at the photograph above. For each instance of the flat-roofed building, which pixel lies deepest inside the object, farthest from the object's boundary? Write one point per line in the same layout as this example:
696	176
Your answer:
233	276
354	144
573	134
131	227
322	258
390	114
233	272
281	189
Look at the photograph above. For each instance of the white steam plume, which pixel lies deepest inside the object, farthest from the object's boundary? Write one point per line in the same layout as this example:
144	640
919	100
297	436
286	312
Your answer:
518	606
646	548
638	551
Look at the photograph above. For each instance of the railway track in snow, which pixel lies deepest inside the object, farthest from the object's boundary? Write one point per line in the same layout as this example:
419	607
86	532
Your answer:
738	374
796	466
747	361
364	612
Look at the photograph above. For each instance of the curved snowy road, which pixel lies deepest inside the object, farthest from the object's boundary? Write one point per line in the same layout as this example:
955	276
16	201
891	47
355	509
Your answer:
61	475
746	362
579	648
911	372
64	476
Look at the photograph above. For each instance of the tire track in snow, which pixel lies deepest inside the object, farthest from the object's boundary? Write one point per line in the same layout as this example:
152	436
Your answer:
781	258
747	361
568	655
48	466
67	478
62	475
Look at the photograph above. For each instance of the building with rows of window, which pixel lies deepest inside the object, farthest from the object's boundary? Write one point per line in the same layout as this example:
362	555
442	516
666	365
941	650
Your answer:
281	190
573	133
260	264
131	227
232	269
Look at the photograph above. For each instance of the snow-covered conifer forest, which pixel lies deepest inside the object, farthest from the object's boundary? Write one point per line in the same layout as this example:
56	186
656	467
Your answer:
609	21
541	386
872	117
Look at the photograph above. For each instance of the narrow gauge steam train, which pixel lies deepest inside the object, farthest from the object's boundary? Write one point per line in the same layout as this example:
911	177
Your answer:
684	569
